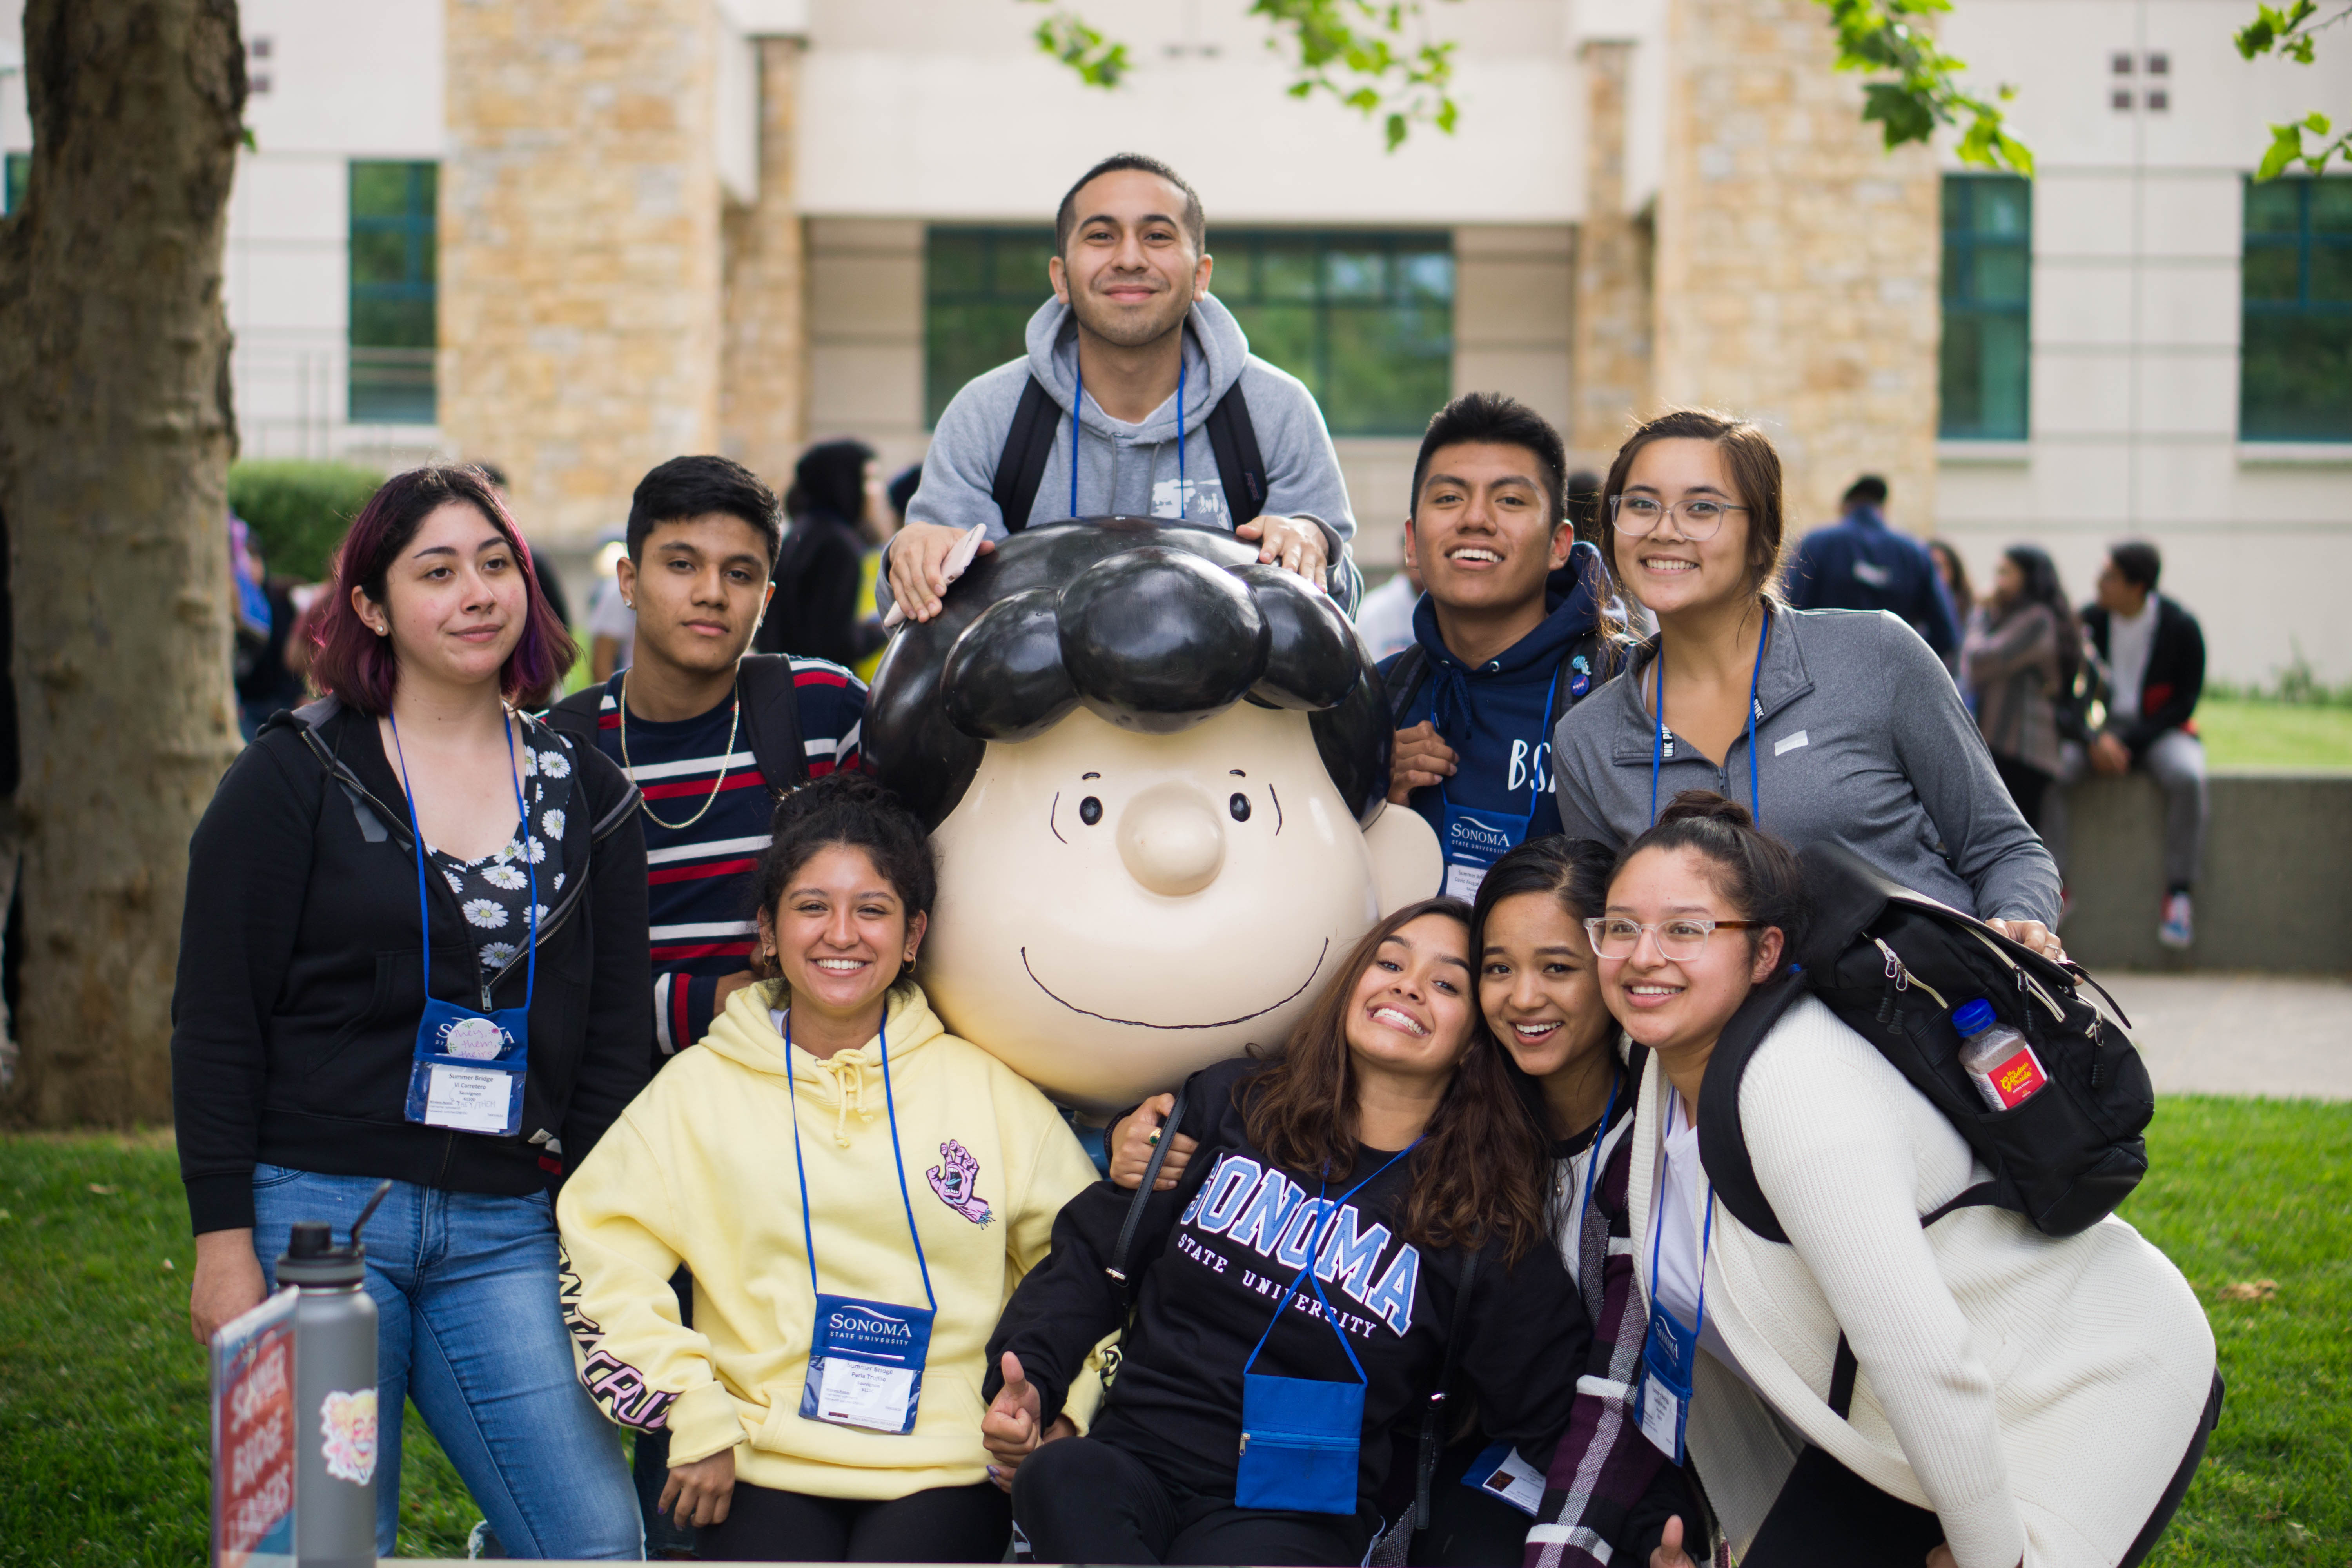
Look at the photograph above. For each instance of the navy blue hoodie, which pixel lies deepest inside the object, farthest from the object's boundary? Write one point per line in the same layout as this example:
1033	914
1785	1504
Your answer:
1494	716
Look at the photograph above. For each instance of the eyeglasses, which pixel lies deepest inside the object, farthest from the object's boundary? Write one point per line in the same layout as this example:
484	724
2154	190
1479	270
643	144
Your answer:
1700	518
1681	938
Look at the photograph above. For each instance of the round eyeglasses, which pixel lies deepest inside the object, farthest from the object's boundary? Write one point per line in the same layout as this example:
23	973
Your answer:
1699	519
1683	937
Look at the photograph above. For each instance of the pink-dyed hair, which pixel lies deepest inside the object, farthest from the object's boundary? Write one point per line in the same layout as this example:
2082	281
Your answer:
353	663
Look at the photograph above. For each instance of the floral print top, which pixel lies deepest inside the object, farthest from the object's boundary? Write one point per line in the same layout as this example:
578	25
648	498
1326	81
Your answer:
493	893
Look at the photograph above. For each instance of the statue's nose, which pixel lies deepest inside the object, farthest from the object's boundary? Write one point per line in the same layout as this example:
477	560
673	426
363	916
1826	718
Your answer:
1171	840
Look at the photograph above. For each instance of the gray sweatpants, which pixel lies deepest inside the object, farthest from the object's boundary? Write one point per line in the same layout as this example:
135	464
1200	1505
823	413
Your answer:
2176	762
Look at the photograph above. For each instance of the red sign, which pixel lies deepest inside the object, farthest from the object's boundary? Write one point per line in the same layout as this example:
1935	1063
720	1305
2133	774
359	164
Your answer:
253	1437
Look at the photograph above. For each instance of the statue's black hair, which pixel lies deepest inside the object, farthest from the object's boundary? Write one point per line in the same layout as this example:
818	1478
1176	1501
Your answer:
1156	627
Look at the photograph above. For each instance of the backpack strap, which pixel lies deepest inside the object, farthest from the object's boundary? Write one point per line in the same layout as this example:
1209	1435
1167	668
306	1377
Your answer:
1404	680
1028	446
1722	1142
770	693
1843	1366
1433	1434
1117	1267
1240	468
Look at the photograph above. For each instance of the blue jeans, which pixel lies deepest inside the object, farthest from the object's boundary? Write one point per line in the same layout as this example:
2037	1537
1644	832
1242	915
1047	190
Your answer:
468	1326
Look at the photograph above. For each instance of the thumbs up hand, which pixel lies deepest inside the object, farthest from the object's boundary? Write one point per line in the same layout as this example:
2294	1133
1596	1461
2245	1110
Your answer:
1670	1552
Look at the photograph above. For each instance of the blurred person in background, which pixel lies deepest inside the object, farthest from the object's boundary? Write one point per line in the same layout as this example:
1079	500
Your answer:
898	494
1859	564
1584	505
612	624
1953	573
551	582
815	611
2154	652
1384	619
2022	653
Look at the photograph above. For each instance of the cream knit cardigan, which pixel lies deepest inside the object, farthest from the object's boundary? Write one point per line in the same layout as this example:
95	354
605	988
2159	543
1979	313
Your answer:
2037	1395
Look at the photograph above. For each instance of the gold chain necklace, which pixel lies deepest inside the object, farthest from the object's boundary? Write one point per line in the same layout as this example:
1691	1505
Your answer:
725	757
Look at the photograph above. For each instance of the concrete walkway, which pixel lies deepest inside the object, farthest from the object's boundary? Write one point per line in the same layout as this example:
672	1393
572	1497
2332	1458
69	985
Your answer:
2271	1035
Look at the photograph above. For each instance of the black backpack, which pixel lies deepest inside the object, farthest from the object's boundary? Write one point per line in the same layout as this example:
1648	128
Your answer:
1021	467
772	719
1893	964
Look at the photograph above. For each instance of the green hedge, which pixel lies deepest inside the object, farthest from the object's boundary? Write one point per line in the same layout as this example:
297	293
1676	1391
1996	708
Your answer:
299	511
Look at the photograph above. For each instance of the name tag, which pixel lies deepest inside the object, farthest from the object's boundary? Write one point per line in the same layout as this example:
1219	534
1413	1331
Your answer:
1499	1472
1669	1357
866	1365
468	1100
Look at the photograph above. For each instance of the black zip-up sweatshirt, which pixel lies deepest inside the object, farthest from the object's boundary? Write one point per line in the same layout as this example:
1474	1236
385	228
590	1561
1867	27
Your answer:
302	976
1222	1248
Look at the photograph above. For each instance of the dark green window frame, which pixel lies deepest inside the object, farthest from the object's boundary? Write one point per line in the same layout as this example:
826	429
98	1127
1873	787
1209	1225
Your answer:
1985	366
1365	319
395	271
18	168
2294	380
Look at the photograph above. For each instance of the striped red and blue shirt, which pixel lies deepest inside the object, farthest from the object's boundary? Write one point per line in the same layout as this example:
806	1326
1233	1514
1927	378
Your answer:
699	874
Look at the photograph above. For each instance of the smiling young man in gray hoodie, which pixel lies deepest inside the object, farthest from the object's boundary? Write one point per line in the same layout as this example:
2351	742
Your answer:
1131	358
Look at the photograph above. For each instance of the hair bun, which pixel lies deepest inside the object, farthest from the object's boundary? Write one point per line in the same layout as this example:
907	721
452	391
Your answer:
1704	804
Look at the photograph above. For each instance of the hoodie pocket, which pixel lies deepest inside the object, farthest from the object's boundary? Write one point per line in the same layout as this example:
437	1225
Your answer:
335	1077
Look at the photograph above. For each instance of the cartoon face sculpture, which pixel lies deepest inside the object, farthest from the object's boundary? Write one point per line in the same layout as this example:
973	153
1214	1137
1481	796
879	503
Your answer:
1155	773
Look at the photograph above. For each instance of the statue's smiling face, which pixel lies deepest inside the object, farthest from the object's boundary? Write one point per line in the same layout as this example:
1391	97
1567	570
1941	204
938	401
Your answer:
1116	910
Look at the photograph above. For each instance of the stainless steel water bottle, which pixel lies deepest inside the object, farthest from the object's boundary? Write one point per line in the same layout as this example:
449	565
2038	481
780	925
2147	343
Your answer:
334	1395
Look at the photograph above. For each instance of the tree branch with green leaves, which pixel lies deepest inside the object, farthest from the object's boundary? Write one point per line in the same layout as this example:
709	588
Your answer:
1922	89
2290	31
1375	57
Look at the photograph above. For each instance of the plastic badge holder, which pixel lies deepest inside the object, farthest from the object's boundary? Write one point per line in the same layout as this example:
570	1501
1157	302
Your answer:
1300	1435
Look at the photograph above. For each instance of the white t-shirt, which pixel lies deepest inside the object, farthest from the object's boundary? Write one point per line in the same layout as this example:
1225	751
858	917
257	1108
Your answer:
1682	1191
1384	618
2129	640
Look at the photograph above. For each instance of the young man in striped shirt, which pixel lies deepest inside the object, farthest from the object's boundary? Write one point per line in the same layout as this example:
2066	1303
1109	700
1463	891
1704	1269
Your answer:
713	737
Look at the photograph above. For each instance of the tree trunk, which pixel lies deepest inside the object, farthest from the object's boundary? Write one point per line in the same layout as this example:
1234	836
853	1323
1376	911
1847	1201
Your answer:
115	437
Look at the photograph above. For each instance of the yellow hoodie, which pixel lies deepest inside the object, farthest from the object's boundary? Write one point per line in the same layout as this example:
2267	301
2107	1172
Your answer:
698	1170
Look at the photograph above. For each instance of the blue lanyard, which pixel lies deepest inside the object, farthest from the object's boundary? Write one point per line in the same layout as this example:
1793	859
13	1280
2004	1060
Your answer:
1658	1231
1755	710
1592	1171
1323	1229
808	1234
522	838
1079	401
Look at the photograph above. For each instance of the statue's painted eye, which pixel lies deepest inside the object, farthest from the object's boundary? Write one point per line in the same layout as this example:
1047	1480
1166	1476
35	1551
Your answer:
1090	811
1239	806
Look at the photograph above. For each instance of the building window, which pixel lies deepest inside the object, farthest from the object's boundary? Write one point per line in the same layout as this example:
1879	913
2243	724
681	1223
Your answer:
14	169
1988	297
394	265
1365	319
2296	378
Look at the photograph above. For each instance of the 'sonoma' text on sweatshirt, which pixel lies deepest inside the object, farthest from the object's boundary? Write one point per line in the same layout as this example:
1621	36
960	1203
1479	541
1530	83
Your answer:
1222	1247
699	1170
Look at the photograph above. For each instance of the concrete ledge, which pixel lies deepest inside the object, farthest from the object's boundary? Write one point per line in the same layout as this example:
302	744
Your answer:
2275	895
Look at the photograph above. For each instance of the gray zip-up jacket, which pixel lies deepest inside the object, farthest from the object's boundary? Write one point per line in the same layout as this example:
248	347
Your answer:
1863	739
1131	470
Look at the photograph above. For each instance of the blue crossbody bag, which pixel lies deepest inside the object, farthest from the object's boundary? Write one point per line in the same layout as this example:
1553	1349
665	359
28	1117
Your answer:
1300	1435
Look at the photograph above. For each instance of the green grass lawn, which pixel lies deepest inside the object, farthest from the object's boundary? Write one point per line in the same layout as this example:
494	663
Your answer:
2243	735
103	1425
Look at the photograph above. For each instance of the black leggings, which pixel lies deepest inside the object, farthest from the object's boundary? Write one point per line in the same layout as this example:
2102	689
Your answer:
945	1524
1084	1500
1828	1517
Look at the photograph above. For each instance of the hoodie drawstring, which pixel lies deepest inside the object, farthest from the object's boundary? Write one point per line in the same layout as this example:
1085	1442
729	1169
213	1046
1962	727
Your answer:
1449	702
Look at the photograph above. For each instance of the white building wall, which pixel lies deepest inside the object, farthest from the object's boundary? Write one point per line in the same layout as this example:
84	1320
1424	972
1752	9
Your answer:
2137	234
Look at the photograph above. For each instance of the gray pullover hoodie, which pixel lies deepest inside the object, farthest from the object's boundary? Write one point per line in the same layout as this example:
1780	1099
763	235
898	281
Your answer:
1862	739
1133	470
